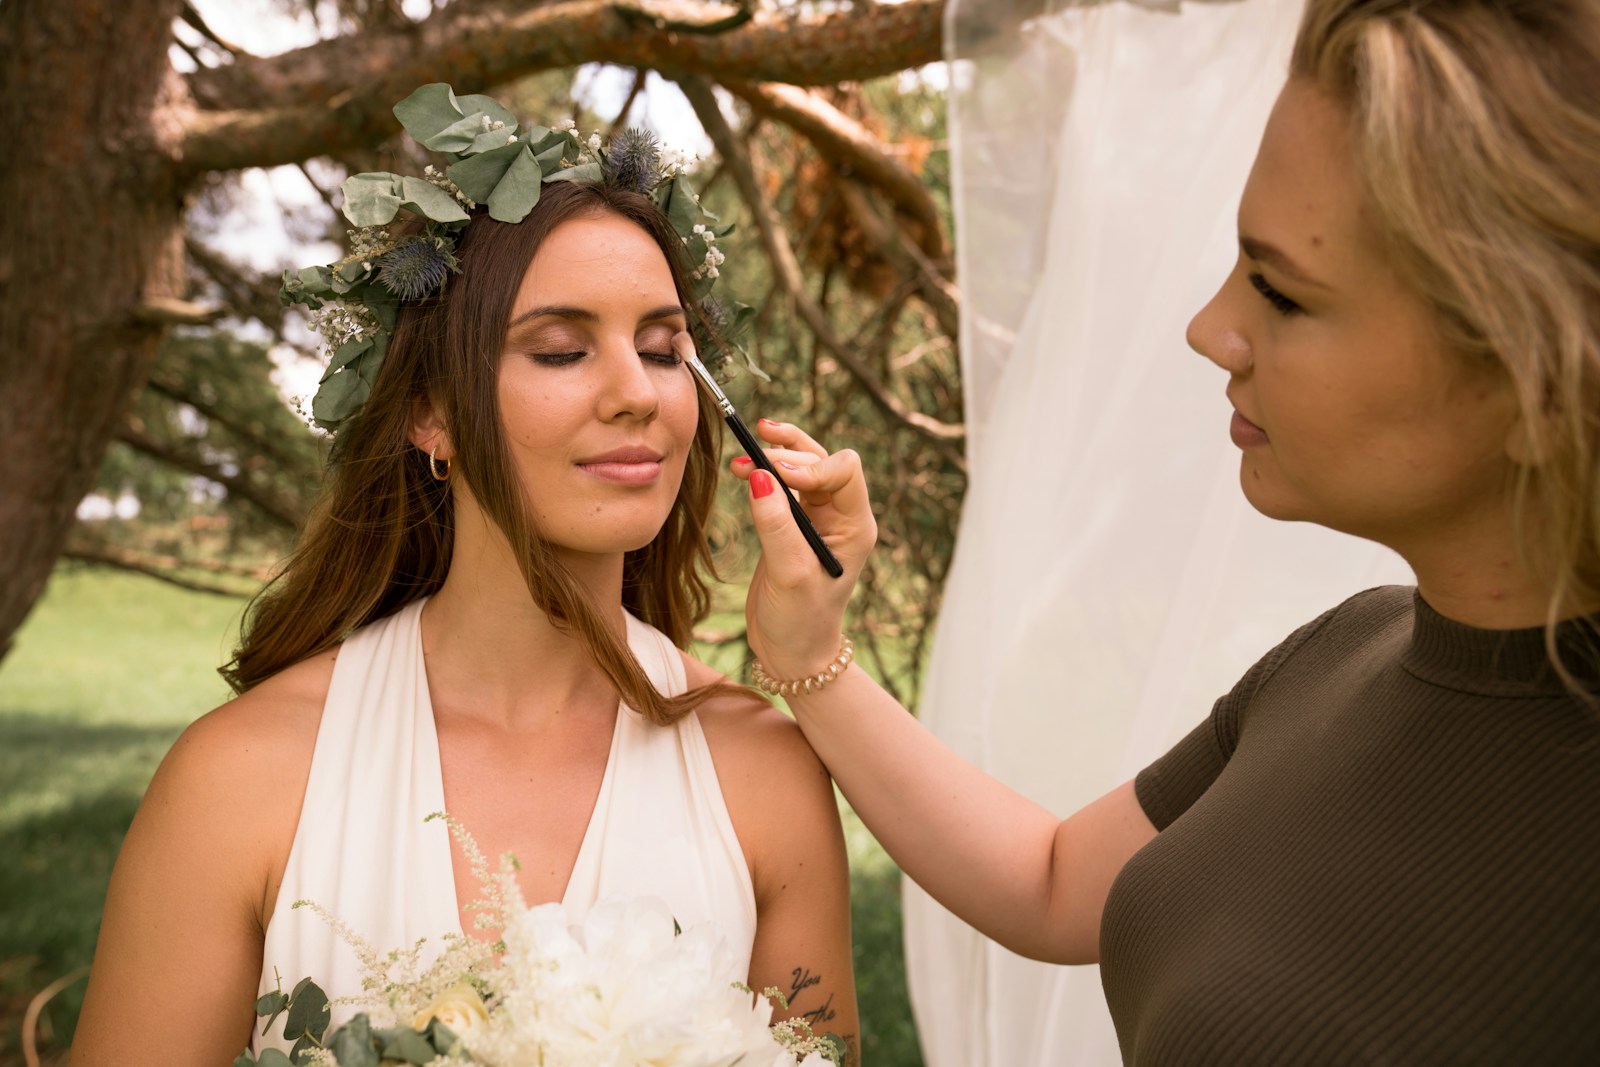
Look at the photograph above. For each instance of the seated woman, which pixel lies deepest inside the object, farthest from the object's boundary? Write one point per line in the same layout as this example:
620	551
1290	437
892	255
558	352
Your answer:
512	538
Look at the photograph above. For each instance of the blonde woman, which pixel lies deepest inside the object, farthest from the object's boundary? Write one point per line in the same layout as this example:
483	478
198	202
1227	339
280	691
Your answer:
1381	846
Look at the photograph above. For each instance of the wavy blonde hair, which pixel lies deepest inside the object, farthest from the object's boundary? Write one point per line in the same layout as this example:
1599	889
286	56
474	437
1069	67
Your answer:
1478	131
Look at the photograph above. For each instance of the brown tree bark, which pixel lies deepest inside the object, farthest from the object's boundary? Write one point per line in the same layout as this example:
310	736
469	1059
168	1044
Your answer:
89	229
106	140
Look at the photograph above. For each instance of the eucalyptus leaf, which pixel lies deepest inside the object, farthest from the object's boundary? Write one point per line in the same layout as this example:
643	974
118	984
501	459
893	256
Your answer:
335	401
309	1010
475	104
458	136
370	198
272	1057
367	366
317	280
518	189
342	355
542	139
353	1046
676	200
489	140
271	1003
429	112
301	1052
408	1046
478	175
444	1039
430	201
349	275
244	1059
583	172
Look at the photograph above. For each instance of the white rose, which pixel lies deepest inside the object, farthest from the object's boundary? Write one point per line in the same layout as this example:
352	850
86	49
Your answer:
459	1007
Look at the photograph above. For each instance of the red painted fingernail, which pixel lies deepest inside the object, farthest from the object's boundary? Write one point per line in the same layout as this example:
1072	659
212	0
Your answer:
740	459
761	483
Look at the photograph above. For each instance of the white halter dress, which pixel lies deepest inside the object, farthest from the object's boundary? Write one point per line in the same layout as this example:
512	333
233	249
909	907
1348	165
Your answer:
660	826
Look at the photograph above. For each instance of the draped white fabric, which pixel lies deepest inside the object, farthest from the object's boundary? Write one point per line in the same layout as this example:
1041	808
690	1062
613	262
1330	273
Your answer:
1110	580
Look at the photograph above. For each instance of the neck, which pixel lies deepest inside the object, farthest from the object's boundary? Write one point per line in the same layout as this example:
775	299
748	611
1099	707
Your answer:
492	651
1475	575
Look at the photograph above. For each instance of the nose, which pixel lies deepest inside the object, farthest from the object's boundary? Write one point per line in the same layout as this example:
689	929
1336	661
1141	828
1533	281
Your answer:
1212	334
627	390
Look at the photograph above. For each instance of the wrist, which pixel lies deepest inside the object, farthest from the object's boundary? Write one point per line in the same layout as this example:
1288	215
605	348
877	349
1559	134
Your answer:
778	683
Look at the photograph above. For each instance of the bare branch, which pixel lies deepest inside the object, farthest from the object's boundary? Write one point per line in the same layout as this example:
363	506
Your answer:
170	311
787	270
163	568
285	512
639	78
335	94
938	293
195	22
848	145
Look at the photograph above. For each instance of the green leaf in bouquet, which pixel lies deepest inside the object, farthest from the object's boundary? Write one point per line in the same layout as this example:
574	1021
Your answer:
272	1003
834	1053
370	198
442	1037
309	1010
353	1044
244	1059
407	1046
270	1058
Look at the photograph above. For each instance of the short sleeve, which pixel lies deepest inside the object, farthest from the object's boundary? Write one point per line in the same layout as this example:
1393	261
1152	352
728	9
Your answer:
1169	787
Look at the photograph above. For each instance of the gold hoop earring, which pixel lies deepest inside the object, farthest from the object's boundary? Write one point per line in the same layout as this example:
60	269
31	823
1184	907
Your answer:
433	466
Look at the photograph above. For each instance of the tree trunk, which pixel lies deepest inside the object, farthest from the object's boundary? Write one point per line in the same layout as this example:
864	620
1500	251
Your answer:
89	229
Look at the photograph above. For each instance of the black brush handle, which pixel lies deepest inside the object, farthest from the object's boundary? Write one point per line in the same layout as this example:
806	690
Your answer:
758	456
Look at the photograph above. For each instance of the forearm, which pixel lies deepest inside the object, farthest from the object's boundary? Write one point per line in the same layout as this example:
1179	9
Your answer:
978	847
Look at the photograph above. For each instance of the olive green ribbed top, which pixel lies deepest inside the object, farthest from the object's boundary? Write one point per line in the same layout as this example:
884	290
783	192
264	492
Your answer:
1383	846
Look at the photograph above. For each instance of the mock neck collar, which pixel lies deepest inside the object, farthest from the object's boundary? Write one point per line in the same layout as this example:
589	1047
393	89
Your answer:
1500	662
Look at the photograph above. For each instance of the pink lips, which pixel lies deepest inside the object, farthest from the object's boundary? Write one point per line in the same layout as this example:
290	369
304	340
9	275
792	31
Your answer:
634	465
1245	433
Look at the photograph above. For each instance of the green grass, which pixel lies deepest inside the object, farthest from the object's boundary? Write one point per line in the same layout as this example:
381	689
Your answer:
104	675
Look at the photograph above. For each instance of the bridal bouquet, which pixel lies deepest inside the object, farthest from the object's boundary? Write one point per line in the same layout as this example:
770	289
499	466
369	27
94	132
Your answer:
625	987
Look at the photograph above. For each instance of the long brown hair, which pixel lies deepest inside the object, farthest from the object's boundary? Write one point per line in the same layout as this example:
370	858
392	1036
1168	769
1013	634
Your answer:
382	534
1479	142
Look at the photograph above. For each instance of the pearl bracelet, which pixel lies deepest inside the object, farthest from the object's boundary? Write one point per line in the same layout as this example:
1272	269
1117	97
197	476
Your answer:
794	687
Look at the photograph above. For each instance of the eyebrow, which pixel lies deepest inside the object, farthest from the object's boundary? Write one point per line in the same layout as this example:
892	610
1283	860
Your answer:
1275	257
577	314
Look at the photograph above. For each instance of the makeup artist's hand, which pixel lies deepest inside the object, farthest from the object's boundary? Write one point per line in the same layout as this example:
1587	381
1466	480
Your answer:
795	609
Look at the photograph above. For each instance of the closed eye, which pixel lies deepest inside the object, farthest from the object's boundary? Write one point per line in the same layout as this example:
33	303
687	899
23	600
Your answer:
1280	303
668	358
558	359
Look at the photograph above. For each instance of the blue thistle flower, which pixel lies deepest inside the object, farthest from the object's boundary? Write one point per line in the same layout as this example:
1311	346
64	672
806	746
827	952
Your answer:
634	161
713	314
415	268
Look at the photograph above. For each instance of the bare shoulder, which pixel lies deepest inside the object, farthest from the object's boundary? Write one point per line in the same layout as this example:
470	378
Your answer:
238	773
750	733
778	793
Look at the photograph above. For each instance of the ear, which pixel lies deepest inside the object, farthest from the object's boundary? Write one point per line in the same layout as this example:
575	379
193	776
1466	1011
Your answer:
428	431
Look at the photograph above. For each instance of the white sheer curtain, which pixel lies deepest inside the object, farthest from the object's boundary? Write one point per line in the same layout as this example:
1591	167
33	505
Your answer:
1110	580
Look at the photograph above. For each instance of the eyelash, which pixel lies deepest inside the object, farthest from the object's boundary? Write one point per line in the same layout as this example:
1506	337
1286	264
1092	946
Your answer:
562	359
1280	303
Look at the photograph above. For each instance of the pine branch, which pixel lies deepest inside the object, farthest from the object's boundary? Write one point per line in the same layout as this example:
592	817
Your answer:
270	503
850	147
786	267
337	94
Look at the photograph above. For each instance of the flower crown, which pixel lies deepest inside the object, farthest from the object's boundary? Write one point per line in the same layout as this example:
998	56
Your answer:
354	302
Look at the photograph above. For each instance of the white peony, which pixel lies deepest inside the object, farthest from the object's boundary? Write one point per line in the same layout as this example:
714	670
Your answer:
618	990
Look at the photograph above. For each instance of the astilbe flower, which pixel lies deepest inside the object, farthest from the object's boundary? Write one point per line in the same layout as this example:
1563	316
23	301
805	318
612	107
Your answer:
635	161
415	268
